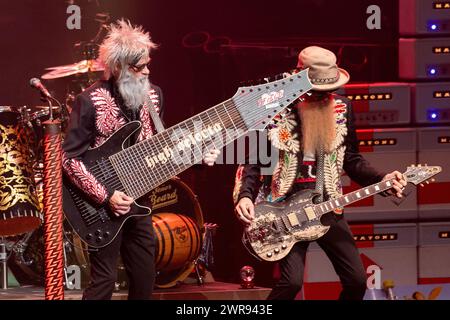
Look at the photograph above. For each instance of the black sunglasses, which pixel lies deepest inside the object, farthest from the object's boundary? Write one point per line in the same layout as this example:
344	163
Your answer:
140	67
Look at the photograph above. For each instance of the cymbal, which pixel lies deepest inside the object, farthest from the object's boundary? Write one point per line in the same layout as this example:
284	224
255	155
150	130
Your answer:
83	66
46	107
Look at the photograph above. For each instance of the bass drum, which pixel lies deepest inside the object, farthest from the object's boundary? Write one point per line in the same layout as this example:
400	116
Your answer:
178	224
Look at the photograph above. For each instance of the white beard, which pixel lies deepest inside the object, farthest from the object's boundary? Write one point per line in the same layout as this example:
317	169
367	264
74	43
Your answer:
134	90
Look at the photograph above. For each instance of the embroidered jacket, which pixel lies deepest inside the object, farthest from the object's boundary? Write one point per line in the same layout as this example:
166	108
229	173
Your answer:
293	172
98	112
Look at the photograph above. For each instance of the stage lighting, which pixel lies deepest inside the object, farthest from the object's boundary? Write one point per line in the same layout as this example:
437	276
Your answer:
247	274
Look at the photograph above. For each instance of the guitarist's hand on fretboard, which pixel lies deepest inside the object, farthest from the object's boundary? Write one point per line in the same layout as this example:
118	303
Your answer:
120	203
245	210
399	183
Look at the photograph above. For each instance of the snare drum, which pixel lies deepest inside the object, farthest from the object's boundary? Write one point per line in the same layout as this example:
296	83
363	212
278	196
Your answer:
19	205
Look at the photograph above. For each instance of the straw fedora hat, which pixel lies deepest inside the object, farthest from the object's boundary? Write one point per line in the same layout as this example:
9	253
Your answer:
323	73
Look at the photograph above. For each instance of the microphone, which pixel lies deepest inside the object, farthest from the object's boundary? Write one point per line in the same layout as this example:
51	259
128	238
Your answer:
36	83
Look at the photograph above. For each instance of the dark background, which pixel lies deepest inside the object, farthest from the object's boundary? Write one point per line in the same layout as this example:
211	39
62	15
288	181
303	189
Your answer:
207	49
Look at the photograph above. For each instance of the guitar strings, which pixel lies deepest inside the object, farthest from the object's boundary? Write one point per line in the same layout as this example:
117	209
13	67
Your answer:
221	114
229	109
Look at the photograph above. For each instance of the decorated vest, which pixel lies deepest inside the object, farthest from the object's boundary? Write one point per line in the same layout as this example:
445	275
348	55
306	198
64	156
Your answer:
109	118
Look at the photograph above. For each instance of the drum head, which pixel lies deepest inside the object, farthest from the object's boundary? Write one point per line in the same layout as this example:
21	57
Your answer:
178	223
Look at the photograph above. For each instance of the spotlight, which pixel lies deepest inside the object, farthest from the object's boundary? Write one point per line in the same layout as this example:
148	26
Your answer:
432	71
433	115
433	27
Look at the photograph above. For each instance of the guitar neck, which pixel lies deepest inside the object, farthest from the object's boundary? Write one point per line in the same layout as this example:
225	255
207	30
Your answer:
146	165
352	197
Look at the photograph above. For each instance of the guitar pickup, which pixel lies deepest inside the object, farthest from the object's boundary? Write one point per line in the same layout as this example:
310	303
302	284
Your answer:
293	220
310	214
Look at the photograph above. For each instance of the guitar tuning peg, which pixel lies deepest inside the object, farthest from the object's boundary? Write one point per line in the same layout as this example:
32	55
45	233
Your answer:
433	180
422	185
419	165
413	165
426	165
427	182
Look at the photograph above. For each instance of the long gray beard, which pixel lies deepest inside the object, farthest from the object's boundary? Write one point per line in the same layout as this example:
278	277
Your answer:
134	90
318	126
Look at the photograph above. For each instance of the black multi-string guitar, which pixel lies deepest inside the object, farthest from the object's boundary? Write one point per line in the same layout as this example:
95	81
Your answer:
278	226
142	167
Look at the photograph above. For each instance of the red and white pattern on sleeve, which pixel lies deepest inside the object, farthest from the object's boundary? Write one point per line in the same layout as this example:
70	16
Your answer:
84	180
108	117
147	125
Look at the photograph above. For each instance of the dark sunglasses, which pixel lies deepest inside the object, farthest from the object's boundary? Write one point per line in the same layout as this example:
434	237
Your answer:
140	67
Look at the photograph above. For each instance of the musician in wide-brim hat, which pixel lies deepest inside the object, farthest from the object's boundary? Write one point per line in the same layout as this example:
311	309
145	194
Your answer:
316	142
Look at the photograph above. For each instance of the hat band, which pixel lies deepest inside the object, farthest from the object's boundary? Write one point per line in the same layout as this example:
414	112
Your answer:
325	80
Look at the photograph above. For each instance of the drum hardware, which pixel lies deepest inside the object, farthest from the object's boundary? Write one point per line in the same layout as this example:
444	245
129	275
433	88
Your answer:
67	283
88	50
205	260
84	72
3	263
199	273
5	247
19	249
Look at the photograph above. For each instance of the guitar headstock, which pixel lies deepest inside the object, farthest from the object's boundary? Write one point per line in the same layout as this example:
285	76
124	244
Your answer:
259	104
419	174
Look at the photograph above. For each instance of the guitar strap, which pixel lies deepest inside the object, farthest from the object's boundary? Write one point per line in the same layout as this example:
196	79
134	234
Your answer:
320	175
155	117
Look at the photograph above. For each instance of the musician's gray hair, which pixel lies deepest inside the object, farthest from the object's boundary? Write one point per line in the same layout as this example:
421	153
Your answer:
123	45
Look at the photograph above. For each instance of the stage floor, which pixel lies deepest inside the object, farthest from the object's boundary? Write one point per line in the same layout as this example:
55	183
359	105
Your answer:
208	291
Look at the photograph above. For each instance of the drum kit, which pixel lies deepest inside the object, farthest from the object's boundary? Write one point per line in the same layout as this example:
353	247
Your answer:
21	175
21	194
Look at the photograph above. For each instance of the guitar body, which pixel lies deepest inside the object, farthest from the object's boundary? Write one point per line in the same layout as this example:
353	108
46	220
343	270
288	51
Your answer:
278	226
96	225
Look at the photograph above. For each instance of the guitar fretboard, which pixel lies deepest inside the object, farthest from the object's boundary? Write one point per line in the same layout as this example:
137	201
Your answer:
352	197
147	164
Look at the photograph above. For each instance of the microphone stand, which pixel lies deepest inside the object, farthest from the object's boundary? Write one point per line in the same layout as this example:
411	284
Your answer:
53	211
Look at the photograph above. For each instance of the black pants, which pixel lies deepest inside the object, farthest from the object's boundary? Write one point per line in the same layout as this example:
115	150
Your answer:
136	244
340	247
